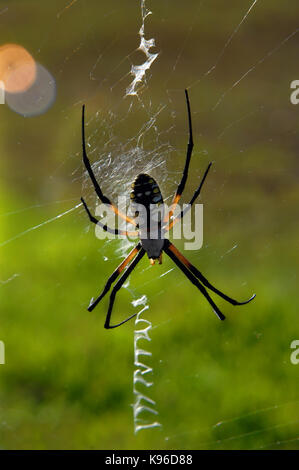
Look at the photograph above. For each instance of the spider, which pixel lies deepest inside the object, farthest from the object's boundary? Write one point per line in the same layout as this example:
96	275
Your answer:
146	191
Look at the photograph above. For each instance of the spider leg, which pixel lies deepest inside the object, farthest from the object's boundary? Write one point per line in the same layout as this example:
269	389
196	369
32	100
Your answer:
103	199
195	196
114	276
114	231
200	276
181	186
117	286
194	281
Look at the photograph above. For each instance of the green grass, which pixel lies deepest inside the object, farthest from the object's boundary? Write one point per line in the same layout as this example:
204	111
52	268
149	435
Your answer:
67	382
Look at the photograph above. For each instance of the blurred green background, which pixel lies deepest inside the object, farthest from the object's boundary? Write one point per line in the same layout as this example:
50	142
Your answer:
67	382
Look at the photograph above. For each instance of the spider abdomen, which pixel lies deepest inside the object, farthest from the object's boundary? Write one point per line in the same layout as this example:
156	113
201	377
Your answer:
148	209
145	191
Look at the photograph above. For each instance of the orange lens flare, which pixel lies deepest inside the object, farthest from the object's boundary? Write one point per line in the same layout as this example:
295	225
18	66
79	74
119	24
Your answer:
17	68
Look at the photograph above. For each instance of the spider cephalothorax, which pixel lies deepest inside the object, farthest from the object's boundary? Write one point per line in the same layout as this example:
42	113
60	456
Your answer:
150	226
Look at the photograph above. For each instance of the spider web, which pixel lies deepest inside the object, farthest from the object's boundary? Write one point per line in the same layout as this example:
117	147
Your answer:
118	157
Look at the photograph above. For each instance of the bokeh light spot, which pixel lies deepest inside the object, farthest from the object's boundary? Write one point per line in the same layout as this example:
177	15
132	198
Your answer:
17	68
38	98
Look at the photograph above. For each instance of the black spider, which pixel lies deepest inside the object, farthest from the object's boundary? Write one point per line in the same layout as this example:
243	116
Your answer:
146	191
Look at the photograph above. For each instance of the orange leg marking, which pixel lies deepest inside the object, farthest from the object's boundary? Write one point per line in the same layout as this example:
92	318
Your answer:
179	255
123	216
126	261
173	206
